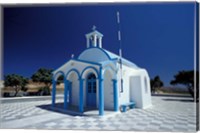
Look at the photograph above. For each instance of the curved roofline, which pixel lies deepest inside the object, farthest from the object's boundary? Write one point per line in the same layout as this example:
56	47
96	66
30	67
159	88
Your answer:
99	49
112	56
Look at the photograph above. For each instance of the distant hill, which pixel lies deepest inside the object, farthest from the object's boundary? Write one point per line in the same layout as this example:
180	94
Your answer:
1	84
173	89
32	87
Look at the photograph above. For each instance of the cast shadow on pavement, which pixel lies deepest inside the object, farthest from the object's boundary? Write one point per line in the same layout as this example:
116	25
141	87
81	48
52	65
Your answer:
179	100
71	110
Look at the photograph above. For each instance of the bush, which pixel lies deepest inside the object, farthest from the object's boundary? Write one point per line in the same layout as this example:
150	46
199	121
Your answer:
44	91
6	94
32	94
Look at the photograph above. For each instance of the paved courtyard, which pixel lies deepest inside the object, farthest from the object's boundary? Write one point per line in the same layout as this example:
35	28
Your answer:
166	114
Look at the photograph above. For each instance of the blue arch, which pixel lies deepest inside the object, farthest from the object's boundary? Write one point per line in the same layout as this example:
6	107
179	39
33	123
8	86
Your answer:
75	70
99	49
90	67
61	72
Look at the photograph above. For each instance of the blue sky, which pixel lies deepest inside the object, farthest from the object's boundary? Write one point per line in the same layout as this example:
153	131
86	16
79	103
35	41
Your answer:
155	36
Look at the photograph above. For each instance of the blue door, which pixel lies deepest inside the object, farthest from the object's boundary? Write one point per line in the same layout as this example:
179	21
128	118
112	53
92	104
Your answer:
91	91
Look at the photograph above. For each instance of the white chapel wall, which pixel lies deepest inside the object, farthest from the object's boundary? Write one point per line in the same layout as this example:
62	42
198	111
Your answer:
124	96
108	91
146	91
134	87
75	88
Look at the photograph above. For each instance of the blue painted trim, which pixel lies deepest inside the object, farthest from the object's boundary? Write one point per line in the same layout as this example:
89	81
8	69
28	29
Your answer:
131	105
101	94
61	72
115	96
75	70
81	106
88	62
108	62
65	94
96	48
90	67
53	93
114	59
74	59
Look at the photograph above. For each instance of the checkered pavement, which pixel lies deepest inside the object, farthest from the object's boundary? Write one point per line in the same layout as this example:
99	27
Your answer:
167	114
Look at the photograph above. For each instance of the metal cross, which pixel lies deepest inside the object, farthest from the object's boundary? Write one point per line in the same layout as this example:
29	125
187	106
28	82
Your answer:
94	27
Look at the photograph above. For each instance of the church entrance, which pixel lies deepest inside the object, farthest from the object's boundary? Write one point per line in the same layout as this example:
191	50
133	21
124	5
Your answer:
91	90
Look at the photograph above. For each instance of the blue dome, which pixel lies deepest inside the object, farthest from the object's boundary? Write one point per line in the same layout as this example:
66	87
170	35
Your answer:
100	55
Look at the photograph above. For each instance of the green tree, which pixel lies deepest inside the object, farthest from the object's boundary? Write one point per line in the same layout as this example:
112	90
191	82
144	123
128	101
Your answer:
186	78
43	75
17	82
60	79
156	83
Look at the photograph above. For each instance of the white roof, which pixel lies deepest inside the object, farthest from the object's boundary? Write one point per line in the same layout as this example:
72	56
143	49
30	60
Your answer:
124	61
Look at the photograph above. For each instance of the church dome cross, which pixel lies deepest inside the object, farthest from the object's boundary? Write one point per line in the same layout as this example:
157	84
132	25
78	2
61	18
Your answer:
94	28
94	38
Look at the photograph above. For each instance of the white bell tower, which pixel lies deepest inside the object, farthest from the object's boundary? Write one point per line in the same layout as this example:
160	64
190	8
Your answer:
94	38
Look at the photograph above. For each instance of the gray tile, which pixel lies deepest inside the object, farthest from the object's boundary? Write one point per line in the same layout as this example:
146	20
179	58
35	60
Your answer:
101	125
162	116
72	126
86	126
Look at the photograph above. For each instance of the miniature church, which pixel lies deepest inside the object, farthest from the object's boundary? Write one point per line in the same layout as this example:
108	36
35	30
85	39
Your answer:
102	80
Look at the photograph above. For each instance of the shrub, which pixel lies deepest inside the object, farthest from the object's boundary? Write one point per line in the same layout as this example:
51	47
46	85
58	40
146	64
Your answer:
44	91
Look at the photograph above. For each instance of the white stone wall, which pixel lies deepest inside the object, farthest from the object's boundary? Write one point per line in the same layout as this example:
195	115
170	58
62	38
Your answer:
124	96
146	91
75	88
134	87
135	90
108	91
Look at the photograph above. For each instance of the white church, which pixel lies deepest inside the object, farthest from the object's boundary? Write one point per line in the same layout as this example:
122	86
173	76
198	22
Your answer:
102	80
